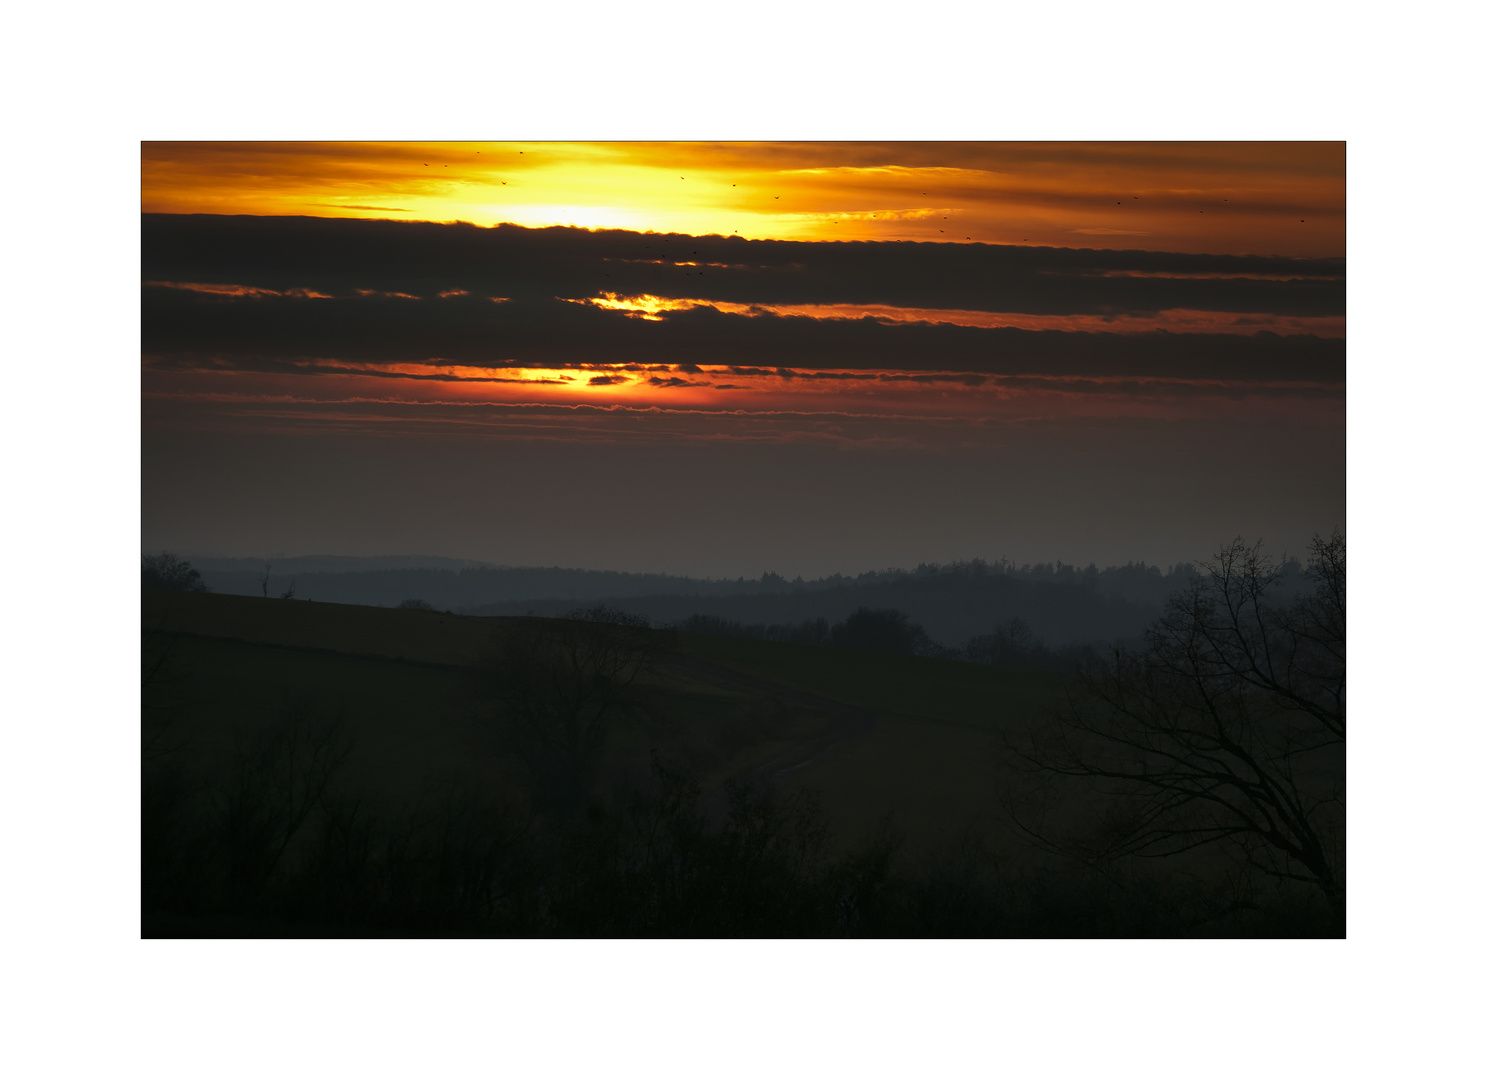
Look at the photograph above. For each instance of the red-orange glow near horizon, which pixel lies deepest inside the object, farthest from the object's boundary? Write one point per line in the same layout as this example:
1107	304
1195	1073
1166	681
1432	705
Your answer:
728	394
1175	320
1250	198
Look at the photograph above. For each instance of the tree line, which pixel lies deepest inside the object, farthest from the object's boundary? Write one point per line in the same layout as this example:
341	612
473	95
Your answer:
1011	643
1217	742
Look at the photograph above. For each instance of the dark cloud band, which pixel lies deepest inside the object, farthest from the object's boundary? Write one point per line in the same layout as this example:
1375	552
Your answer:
548	333
339	256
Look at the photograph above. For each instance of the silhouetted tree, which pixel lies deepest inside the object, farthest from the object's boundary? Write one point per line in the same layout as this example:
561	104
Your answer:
168	571
415	605
1012	644
807	632
1227	728
273	785
563	683
884	630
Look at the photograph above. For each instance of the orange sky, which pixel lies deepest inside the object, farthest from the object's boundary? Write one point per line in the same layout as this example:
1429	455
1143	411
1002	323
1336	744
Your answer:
1283	199
1242	198
622	404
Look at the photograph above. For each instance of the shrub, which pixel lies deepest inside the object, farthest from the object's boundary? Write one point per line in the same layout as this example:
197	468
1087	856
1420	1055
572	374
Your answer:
168	571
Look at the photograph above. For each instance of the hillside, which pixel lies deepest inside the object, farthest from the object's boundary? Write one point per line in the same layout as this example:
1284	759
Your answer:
873	733
951	607
1063	605
315	769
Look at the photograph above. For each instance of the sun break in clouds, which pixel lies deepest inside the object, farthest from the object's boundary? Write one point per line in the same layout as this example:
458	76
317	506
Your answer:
837	379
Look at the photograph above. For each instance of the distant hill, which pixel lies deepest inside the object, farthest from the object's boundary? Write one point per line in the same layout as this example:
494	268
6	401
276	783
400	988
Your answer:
1062	604
338	564
952	606
454	588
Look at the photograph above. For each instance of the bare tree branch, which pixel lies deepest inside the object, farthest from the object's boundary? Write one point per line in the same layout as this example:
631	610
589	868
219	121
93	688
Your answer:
1227	728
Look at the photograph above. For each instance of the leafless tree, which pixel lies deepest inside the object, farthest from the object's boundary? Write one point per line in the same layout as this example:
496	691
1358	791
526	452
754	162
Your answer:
562	683
273	784
1012	643
1227	729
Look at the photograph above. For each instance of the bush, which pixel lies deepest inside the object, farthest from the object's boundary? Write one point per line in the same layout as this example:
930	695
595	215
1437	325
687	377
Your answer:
168	571
884	630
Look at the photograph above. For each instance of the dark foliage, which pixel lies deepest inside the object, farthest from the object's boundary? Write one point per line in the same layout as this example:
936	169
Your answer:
808	632
1013	644
883	630
168	571
652	864
277	840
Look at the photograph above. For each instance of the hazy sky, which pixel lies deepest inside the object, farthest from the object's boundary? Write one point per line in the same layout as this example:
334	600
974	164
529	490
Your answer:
728	359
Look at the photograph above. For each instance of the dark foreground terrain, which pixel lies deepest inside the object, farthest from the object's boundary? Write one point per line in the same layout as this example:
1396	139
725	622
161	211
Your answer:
315	769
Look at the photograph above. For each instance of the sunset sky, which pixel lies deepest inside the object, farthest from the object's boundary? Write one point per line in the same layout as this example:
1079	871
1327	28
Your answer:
726	359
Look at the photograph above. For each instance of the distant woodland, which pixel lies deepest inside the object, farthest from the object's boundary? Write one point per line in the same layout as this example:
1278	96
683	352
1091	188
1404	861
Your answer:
1055	606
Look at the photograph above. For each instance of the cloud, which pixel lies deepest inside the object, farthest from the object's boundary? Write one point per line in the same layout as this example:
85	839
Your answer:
358	206
553	334
341	255
655	309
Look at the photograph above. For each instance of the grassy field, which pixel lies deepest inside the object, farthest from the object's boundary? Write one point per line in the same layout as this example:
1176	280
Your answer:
950	691
427	637
434	777
924	744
